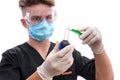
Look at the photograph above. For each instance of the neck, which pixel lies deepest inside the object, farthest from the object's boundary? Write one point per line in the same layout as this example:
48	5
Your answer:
41	47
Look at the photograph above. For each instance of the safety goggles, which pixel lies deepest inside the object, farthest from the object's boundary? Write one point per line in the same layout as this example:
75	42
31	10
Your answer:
38	16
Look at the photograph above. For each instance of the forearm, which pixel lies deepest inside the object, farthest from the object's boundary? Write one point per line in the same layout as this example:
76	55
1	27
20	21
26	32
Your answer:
103	67
34	76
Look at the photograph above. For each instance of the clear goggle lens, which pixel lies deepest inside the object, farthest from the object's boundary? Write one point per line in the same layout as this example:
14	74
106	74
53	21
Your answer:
39	16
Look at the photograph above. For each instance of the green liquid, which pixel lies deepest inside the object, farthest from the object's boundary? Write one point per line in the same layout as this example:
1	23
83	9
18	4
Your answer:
76	31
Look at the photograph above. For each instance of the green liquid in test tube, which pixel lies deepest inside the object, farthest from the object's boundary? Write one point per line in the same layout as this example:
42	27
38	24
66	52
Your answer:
76	31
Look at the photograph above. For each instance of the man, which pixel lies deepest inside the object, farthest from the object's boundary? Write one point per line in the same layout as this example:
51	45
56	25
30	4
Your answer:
38	59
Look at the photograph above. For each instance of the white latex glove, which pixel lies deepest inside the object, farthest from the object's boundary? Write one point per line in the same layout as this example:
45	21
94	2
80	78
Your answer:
56	62
92	37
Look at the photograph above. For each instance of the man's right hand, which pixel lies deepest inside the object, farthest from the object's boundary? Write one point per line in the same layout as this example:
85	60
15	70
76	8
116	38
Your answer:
56	62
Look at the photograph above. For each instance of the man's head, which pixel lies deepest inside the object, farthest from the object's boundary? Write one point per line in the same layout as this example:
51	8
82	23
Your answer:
38	16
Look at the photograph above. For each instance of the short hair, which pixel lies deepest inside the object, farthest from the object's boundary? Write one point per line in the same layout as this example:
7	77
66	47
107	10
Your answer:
28	3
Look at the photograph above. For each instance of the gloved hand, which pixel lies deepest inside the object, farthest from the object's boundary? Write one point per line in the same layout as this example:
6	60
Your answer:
92	37
56	62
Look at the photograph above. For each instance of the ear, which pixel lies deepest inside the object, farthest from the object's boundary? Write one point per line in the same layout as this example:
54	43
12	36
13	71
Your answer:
24	23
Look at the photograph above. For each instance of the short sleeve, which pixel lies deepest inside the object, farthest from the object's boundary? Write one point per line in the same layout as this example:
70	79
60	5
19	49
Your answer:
9	69
85	67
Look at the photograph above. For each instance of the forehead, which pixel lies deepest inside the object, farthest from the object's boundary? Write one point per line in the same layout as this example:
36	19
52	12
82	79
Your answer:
40	8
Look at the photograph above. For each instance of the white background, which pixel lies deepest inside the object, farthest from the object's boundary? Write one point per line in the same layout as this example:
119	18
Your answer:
104	14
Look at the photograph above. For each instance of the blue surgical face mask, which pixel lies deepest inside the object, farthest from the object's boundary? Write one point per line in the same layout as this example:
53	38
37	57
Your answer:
41	31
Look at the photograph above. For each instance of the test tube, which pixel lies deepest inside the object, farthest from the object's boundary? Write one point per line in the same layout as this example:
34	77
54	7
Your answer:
76	31
66	35
64	42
